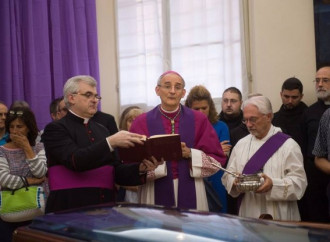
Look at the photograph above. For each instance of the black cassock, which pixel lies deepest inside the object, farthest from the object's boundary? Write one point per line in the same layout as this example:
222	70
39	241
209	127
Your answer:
81	147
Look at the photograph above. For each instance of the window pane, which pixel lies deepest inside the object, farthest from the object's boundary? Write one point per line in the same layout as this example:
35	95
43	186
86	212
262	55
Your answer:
205	41
202	43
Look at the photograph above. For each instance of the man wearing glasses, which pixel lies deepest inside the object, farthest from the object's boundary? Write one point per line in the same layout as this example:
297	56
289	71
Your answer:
273	155
179	183
314	204
81	153
231	112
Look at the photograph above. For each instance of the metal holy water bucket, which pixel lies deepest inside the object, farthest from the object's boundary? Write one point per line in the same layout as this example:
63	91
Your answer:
246	183
249	183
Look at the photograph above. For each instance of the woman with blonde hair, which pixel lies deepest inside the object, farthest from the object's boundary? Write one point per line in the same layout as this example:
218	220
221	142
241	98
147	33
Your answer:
128	116
128	193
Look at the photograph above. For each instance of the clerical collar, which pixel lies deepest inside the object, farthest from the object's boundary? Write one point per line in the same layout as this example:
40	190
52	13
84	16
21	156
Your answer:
165	111
85	119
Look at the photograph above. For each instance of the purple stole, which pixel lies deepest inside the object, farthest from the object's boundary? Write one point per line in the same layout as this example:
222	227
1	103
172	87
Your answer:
259	159
164	191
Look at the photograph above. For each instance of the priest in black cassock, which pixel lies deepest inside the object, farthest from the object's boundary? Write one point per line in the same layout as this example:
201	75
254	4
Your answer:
82	165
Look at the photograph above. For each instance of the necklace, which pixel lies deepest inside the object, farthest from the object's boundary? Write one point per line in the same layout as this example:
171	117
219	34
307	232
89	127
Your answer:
171	119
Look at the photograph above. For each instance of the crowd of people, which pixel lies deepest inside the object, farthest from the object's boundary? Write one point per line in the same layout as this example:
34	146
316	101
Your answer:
75	157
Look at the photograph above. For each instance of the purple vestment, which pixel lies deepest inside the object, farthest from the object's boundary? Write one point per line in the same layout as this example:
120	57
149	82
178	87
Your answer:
197	132
260	158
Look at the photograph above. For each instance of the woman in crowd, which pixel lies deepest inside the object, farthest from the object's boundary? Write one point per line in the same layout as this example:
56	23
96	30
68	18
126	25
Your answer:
21	159
199	98
128	193
128	116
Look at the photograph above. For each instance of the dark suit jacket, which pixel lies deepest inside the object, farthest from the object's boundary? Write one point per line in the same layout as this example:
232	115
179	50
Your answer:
107	120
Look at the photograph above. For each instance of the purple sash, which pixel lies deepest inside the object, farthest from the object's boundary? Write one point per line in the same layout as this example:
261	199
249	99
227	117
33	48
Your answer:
164	192
259	159
61	178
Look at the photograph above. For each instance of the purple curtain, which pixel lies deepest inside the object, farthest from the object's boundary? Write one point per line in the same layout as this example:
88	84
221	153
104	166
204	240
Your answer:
42	44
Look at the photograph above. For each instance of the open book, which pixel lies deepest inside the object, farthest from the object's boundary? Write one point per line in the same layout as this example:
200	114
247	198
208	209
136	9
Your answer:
167	146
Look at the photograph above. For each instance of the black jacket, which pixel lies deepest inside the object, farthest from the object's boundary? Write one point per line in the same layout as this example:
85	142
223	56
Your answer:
80	147
107	120
289	120
231	122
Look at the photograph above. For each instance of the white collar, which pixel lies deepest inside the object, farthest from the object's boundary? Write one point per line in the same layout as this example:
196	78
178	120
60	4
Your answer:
85	119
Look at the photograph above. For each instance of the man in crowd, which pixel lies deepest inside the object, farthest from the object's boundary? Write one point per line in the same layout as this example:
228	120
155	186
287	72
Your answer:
232	115
80	153
3	115
278	159
314	205
231	112
57	108
179	183
288	118
321	150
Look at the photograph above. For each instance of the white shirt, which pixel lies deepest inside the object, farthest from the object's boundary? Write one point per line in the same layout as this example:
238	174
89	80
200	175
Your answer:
286	170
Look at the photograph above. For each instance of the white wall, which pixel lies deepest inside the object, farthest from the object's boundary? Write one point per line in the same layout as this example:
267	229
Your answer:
281	43
108	56
282	46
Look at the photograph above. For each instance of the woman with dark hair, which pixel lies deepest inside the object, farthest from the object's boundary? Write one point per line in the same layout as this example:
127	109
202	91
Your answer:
21	159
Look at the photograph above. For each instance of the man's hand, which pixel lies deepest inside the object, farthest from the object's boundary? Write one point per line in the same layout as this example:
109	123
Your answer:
150	165
125	139
267	185
323	164
186	151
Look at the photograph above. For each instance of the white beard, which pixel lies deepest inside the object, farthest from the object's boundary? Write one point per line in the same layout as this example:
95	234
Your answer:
324	95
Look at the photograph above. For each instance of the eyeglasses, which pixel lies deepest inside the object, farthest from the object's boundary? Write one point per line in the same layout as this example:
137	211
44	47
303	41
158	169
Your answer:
252	120
169	87
17	113
324	80
89	95
230	100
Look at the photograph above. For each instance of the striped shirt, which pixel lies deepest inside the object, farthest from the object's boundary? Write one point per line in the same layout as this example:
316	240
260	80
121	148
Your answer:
13	165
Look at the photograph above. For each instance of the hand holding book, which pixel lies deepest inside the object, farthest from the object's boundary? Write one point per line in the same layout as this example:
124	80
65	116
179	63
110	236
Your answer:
186	151
167	146
149	165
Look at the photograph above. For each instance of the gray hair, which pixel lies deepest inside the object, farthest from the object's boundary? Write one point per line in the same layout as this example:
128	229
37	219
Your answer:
72	86
19	103
170	72
262	103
